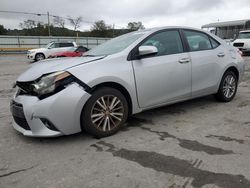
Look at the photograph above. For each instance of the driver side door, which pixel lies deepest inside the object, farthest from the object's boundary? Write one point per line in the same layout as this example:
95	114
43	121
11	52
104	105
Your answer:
53	48
166	76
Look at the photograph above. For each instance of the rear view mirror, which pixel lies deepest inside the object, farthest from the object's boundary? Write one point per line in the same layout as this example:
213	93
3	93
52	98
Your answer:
147	50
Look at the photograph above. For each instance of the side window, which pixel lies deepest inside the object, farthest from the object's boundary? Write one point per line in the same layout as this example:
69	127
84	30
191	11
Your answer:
167	42
65	45
197	41
54	45
214	43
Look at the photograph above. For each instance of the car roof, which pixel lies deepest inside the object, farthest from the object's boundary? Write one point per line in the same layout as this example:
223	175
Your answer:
169	27
246	31
65	42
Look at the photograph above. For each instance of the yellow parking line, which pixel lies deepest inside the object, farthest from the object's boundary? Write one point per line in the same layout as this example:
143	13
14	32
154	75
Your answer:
14	49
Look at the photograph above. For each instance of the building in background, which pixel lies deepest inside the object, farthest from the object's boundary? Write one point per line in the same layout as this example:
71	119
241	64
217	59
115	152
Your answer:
227	30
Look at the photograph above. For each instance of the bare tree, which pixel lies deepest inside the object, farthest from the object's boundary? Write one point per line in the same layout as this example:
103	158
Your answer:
76	23
59	21
28	24
100	26
134	26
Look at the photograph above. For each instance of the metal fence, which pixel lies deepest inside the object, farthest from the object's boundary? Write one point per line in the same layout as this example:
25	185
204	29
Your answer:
23	43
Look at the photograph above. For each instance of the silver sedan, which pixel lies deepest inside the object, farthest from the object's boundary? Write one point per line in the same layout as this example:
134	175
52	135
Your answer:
124	76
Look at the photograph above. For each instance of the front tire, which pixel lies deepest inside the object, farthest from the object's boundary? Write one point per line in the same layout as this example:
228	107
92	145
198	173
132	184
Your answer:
104	113
228	87
39	57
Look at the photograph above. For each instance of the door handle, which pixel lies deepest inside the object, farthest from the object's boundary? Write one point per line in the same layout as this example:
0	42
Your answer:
222	54
184	60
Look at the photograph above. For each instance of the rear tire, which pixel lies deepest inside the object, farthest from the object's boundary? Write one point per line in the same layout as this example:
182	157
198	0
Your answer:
104	113
228	87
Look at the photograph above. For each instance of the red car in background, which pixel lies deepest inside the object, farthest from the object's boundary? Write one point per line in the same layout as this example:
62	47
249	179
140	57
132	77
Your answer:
72	52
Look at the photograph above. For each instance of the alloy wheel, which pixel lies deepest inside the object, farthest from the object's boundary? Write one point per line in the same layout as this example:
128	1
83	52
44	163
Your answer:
39	57
229	86
107	113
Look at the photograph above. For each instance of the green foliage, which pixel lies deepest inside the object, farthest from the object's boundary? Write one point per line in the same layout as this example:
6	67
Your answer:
3	31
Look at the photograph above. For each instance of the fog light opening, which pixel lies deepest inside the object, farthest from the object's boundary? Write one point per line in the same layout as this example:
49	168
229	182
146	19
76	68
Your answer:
48	124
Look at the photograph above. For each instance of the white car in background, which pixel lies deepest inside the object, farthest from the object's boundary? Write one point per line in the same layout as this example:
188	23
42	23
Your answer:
53	47
242	42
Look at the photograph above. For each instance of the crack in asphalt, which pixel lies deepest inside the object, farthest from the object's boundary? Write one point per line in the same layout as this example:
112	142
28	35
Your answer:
3	116
175	166
7	74
16	171
247	123
184	143
191	144
7	91
244	104
136	122
98	148
226	139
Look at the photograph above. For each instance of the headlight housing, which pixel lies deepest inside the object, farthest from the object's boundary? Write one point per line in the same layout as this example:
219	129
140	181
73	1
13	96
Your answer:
51	83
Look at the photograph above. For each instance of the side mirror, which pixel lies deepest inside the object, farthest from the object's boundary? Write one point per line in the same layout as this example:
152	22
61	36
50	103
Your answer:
147	50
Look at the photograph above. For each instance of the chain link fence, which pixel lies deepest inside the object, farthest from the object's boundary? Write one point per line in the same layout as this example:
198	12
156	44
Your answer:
21	44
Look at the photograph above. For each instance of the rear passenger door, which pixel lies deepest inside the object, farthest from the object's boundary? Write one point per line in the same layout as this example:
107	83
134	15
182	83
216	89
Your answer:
206	56
65	46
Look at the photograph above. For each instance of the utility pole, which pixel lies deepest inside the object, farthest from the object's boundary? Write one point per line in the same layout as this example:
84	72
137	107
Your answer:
113	30
48	23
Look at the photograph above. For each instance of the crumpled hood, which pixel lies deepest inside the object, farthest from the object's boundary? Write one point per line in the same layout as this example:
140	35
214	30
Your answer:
37	49
53	65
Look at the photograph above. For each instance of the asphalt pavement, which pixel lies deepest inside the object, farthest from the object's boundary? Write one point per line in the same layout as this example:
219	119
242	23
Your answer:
199	143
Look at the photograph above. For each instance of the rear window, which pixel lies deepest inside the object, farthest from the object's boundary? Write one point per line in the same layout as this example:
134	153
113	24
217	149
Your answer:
66	44
197	41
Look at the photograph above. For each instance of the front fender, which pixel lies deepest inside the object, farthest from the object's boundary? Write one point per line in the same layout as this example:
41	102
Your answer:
99	72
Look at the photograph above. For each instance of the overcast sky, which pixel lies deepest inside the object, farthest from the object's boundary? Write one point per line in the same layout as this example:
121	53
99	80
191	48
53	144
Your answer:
151	13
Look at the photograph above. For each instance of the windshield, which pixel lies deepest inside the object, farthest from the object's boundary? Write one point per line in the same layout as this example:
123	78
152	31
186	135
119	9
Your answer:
115	45
48	45
245	35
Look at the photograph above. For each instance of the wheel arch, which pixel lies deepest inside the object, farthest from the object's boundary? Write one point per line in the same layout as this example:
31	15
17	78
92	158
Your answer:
40	53
234	70
120	88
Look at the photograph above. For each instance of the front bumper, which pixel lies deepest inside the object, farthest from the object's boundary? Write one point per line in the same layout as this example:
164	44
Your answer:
62	111
31	56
